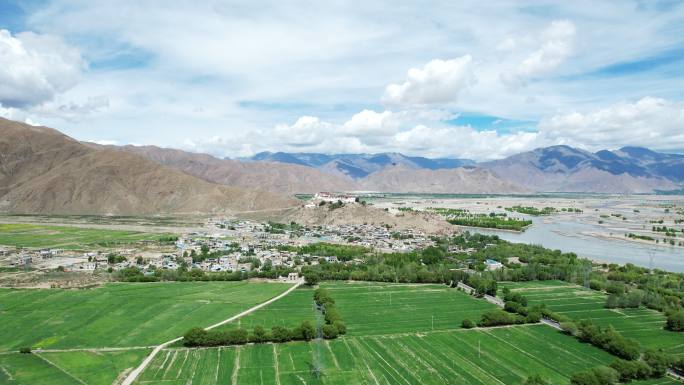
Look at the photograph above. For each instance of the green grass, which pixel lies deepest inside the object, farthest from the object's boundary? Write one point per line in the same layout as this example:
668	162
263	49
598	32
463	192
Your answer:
67	237
67	368
506	356
121	314
643	325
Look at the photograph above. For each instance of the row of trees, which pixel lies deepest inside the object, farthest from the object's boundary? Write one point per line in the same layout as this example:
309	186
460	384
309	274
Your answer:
607	339
200	337
653	364
304	332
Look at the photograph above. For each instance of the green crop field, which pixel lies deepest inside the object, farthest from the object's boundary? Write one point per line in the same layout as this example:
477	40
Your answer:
505	356
121	314
288	311
67	237
395	308
67	368
644	325
366	308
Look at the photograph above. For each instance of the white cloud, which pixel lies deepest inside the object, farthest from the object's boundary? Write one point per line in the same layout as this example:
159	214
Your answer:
371	123
35	68
439	81
556	45
306	131
463	141
650	122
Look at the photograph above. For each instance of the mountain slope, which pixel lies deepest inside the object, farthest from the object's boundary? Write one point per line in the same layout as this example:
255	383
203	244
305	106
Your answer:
267	176
567	169
44	171
359	166
460	180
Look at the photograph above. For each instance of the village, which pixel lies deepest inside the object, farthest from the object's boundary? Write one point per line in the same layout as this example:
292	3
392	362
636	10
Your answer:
225	245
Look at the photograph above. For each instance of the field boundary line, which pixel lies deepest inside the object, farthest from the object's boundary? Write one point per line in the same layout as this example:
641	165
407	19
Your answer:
60	369
137	371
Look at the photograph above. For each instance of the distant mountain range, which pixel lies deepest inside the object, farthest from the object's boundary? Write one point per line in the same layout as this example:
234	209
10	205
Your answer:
555	168
564	168
45	171
359	166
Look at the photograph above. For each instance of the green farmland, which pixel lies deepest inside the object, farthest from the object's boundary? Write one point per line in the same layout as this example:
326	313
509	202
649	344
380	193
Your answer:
506	356
643	325
117	315
67	368
67	237
367	308
370	309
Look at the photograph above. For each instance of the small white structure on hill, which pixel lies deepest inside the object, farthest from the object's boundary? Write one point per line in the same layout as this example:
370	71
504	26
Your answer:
493	265
331	197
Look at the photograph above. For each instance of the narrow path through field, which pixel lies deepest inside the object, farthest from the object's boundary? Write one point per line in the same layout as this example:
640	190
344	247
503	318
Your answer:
137	371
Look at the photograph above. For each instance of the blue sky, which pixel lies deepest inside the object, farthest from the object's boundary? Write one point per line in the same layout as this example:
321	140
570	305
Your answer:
470	79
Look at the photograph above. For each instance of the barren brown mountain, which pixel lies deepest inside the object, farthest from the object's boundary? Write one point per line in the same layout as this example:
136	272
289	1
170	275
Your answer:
276	177
447	181
45	171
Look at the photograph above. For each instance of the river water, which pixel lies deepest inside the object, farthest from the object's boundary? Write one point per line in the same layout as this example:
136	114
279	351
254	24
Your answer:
569	235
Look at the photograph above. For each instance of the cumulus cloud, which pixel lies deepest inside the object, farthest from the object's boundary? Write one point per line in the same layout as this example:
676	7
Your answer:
369	123
463	141
651	122
306	131
556	45
439	81
35	68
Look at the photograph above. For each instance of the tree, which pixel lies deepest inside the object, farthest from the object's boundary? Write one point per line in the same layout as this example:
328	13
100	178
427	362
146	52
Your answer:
311	278
675	321
467	324
25	350
259	334
307	330
329	332
139	260
611	301
658	361
280	334
195	337
341	327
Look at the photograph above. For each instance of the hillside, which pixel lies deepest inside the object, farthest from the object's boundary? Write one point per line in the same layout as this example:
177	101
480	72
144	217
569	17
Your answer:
358	166
44	171
460	180
287	179
568	169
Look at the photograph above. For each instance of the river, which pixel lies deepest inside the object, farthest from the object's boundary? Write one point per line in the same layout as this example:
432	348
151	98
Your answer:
569	234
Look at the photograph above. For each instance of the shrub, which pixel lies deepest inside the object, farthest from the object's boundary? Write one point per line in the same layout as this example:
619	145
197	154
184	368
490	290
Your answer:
467	324
675	321
631	370
615	287
259	335
25	350
341	327
280	334
657	361
569	328
601	375
496	318
306	331
329	332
